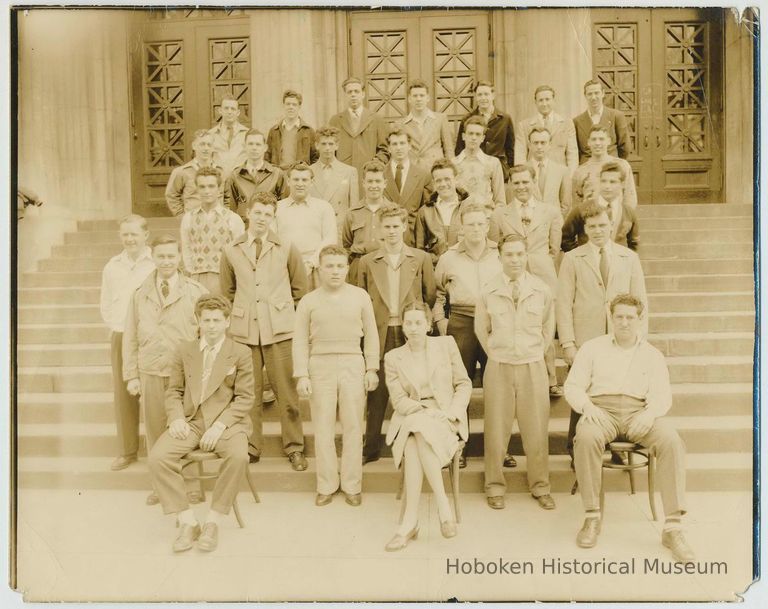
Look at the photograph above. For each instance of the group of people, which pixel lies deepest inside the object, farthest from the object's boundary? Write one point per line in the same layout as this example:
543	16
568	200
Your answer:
362	265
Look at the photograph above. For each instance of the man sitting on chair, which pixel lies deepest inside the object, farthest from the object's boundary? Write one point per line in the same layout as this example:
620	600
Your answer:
620	385
209	412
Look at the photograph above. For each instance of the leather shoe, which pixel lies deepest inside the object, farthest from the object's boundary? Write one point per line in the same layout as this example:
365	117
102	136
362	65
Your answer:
675	541
268	397
209	538
370	458
587	536
194	496
462	461
497	503
353	500
321	500
619	459
398	542
187	535
555	391
122	462
298	461
546	502
509	461
152	498
449	529
253	458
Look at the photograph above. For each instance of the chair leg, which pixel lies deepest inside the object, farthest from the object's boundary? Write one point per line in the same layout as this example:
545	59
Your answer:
652	483
602	492
252	485
236	510
453	470
200	475
630	461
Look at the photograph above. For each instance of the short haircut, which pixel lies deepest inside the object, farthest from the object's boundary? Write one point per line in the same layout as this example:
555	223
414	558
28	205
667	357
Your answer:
213	302
470	207
476	120
541	88
299	166
399	130
521	169
539	129
513	238
263	198
351	80
591	82
418	84
198	134
294	94
253	131
134	219
327	131
630	301
443	164
593	210
602	128
483	83
393	211
166	239
333	250
417	306
373	166
209	171
613	167
229	97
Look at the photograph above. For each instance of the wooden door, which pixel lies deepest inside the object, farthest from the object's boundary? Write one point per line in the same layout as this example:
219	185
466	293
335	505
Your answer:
447	50
180	70
662	69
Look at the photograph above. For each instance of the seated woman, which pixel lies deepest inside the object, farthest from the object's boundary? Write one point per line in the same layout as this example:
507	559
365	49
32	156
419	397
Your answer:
430	392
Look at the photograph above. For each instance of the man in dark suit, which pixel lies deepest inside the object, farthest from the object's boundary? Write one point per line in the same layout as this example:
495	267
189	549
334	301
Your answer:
210	393
394	276
598	114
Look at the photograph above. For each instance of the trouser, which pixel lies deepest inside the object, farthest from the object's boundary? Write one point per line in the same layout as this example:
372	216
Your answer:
462	328
549	360
338	383
378	398
165	468
662	439
516	390
279	363
209	280
126	405
153	401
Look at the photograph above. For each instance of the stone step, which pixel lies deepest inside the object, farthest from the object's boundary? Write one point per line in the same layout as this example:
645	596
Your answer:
694	210
704	472
704	343
703	321
703	266
711	369
61	314
102	251
33	334
69	275
93	354
74	295
676	302
741	282
689	251
63	265
153	224
717	235
105	236
705	223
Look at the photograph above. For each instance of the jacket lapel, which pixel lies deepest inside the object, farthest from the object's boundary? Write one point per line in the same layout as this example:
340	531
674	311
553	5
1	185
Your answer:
365	119
538	216
511	215
407	273
379	274
221	365
193	362
410	181
248	253
390	190
405	363
585	255
433	359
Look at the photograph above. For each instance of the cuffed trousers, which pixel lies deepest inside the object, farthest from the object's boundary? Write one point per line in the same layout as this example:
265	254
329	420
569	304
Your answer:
663	439
522	391
153	401
338	385
126	405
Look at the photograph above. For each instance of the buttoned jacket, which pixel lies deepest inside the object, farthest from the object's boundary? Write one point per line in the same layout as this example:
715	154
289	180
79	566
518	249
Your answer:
432	142
499	139
240	186
340	186
557	186
616	124
305	145
416	191
358	146
563	148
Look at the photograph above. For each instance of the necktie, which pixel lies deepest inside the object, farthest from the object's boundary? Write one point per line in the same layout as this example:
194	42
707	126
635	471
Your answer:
515	292
525	216
165	288
541	176
207	367
256	249
399	177
604	266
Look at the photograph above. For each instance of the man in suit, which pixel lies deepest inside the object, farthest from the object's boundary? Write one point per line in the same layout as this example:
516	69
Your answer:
597	114
181	191
500	138
479	174
291	140
363	134
210	392
590	277
228	137
334	181
563	148
431	133
408	184
394	275
264	278
553	180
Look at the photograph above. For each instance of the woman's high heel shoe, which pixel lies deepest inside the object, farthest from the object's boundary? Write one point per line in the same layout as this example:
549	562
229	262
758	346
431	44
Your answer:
398	542
449	529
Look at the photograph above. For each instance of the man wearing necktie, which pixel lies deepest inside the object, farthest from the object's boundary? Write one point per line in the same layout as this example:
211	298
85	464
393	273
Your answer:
228	136
553	180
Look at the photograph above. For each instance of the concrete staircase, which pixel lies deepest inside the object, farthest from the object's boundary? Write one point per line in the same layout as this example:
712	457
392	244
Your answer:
698	265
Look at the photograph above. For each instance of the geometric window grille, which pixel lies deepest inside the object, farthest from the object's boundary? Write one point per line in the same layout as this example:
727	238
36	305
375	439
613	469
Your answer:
455	71
230	73
160	14
386	73
615	65
686	87
163	93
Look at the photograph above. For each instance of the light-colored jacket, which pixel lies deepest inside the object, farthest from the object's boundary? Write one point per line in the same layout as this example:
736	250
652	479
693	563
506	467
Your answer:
563	148
340	187
433	141
448	381
153	329
557	186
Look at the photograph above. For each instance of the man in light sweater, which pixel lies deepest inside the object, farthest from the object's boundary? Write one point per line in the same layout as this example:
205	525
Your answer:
334	374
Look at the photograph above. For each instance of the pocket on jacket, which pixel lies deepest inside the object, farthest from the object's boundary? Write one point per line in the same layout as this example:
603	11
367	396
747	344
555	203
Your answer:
281	314
238	324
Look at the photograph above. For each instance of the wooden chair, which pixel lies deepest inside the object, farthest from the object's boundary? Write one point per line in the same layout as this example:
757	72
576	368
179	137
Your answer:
631	451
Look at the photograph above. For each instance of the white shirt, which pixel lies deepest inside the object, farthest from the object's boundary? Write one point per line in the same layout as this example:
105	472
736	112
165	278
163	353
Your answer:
596	253
294	124
405	164
445	209
119	280
596	118
213	352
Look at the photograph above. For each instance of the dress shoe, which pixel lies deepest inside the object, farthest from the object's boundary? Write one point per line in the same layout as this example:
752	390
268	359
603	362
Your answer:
152	498
370	458
194	496
298	461
619	459
462	461
398	542
497	503
449	528
122	462
321	500
268	397
253	458
188	533
509	461
675	541
587	536
555	391
209	538
353	500
546	502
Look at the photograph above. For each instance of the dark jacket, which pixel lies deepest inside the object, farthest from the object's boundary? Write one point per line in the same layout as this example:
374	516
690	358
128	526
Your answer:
499	139
305	145
431	235
628	234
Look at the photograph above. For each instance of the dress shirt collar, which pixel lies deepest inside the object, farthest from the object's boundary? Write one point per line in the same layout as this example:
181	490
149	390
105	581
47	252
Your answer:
217	209
356	113
292	202
250	238
146	253
428	115
406	163
546	120
531	204
447	204
262	166
173	281
596	116
535	163
214	348
467	154
635	345
596	249
601	200
294	124
489	247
